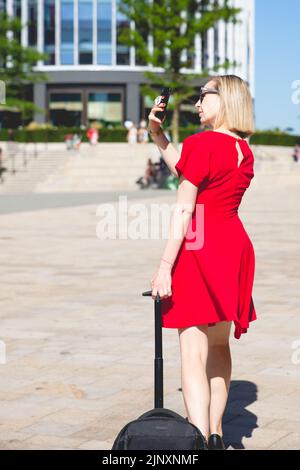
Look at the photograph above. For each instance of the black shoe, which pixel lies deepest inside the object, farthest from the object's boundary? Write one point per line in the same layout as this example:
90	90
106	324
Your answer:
215	442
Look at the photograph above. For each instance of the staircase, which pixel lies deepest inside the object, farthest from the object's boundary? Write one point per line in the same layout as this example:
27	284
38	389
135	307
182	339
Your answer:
274	164
104	167
115	166
31	166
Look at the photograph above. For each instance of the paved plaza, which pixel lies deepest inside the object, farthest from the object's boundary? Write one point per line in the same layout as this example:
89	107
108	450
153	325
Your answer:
77	335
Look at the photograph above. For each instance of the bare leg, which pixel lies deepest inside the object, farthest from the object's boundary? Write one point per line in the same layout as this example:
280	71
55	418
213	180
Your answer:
195	387
219	366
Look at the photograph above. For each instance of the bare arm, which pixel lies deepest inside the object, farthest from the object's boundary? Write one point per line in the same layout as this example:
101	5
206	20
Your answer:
185	204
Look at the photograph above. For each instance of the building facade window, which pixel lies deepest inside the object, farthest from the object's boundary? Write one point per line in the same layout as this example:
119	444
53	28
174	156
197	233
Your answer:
65	108
73	106
32	23
204	48
216	46
216	39
104	32
85	31
17	14
67	32
204	38
226	40
2	5
105	107
122	50
49	31
17	8
143	29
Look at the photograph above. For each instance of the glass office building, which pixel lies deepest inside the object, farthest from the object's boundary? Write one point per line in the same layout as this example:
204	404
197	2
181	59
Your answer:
93	76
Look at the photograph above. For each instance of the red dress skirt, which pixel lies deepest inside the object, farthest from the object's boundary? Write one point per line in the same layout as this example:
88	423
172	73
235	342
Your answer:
212	277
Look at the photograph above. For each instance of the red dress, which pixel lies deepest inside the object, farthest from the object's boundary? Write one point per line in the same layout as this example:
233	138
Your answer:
212	277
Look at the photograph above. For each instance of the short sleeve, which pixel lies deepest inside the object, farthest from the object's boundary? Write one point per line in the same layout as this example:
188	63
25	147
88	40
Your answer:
194	159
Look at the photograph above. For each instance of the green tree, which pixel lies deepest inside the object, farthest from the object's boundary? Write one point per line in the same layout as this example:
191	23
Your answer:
173	25
17	67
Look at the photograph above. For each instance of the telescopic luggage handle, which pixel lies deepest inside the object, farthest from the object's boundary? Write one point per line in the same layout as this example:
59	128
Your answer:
149	294
158	359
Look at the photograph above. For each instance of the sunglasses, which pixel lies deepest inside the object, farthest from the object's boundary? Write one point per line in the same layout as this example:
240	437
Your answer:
204	91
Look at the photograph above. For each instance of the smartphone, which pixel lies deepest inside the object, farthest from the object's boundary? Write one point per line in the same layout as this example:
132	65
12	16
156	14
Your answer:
163	98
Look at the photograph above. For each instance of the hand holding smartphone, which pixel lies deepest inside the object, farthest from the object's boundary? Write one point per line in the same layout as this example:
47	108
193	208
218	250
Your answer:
163	98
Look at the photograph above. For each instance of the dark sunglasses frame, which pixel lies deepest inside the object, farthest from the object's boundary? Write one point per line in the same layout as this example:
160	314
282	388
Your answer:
204	91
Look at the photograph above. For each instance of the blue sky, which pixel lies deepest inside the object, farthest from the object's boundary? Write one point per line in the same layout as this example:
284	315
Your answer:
277	63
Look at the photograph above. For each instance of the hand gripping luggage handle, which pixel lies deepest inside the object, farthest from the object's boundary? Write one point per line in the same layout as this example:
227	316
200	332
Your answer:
158	359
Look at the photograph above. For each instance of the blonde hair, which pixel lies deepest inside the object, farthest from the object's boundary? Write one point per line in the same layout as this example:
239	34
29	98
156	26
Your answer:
236	109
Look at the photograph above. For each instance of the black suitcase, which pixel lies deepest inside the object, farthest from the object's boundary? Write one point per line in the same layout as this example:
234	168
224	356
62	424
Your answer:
159	428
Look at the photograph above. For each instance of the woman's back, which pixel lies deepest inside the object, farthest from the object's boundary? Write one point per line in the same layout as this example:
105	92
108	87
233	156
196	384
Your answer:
213	162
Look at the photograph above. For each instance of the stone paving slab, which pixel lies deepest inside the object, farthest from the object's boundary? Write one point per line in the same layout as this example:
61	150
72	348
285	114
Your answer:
79	335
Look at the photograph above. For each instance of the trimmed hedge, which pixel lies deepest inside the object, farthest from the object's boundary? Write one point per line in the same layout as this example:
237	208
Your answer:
259	138
265	138
58	135
118	134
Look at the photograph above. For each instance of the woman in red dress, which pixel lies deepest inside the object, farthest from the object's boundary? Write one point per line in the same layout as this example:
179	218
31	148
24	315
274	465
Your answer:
206	273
